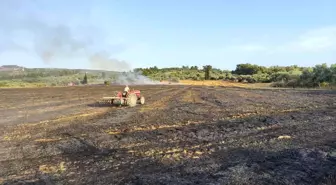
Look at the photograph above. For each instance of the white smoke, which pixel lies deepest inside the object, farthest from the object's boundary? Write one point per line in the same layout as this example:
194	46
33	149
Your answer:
103	61
53	41
133	78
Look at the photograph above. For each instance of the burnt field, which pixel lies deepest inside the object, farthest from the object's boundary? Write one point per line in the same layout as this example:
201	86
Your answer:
181	135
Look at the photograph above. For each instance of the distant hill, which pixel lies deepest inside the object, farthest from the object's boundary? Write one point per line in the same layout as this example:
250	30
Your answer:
79	70
11	68
14	74
16	67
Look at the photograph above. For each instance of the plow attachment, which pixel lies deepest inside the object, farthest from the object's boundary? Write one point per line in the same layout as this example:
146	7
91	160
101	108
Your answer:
132	99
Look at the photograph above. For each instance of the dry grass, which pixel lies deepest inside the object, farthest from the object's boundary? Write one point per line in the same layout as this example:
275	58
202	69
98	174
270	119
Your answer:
17	85
159	104
23	131
151	128
191	96
52	168
170	154
223	83
45	140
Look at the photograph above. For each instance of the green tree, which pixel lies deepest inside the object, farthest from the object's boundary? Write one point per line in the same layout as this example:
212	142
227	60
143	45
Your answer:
85	81
248	69
207	69
194	68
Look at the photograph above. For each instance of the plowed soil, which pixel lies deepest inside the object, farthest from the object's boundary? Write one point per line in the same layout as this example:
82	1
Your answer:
181	135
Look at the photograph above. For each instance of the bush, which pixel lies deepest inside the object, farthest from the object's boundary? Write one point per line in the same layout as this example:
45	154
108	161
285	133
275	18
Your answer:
4	84
250	79
196	78
175	80
263	78
324	84
278	84
106	82
292	83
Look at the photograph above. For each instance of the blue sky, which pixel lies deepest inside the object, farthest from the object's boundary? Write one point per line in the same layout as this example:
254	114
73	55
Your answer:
144	33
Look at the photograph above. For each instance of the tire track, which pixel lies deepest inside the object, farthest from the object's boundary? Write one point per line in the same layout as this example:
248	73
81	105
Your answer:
155	105
48	98
10	115
73	112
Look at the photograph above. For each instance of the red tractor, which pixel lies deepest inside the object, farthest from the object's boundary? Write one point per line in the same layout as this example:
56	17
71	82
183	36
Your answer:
130	98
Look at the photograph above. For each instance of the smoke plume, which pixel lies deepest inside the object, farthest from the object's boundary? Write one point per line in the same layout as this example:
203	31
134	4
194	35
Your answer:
104	61
133	78
45	40
50	40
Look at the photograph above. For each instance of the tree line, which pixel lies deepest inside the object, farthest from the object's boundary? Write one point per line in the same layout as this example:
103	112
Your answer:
279	76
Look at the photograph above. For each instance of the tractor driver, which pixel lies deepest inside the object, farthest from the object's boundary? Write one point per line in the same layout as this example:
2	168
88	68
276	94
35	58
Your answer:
126	90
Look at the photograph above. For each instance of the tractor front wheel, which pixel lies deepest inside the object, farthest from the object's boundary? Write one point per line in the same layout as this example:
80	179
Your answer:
142	100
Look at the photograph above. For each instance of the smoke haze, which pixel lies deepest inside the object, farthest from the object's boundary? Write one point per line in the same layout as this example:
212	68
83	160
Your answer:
133	78
58	41
103	60
51	41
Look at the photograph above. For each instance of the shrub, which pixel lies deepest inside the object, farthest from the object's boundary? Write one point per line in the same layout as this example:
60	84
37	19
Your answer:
292	83
250	79
4	84
324	84
106	82
278	84
263	78
175	80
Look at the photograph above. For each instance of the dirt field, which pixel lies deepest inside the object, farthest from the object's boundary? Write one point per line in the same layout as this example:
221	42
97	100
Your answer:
182	135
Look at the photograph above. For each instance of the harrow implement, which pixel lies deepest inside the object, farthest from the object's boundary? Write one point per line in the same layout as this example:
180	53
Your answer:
131	98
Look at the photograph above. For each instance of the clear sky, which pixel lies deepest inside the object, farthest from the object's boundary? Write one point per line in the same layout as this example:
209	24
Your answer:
165	33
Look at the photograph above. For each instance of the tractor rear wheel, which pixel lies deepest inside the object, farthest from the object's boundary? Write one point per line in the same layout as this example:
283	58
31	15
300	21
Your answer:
132	100
142	100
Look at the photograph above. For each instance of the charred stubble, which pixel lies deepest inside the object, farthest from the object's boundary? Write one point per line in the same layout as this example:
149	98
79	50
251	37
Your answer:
182	135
